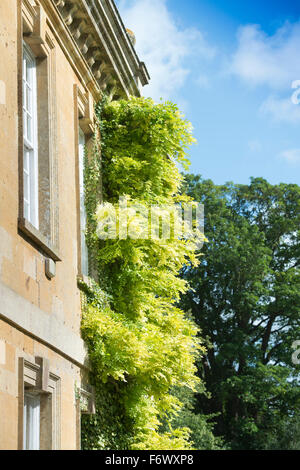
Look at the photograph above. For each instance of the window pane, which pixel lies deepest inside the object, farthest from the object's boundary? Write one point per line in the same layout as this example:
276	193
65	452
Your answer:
28	69
26	189
26	160
24	68
29	128
30	165
24	95
29	100
24	124
26	209
31	424
84	250
26	179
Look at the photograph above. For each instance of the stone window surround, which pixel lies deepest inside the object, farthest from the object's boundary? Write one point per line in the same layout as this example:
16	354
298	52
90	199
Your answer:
85	404
35	377
35	33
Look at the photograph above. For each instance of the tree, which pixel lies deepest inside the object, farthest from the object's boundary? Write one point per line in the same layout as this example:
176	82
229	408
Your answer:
201	426
245	297
141	345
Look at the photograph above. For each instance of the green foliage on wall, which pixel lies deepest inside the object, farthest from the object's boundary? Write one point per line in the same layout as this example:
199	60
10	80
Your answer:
141	345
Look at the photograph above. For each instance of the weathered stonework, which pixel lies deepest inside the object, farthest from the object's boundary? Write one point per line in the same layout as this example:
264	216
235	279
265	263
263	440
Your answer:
101	37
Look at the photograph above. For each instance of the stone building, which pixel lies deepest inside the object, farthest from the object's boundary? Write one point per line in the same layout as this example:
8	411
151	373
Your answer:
56	58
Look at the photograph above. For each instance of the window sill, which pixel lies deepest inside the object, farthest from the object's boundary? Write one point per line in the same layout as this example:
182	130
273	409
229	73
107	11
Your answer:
38	239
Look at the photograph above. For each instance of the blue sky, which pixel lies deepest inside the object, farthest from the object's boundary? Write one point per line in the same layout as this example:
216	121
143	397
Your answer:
230	66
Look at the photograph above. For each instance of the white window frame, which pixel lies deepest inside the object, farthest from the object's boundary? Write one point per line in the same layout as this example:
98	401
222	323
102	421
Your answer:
83	217
31	422
30	138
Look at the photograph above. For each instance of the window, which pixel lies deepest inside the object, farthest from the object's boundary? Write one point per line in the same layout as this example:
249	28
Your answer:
38	174
31	422
83	129
30	150
84	250
39	406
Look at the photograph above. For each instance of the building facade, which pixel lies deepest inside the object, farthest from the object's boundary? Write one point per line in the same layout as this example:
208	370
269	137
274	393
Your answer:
57	58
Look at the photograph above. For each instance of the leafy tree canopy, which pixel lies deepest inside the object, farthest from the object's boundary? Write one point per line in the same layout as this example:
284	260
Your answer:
141	345
245	297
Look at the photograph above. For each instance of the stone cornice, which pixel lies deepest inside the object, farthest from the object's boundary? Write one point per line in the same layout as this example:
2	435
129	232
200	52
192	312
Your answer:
99	33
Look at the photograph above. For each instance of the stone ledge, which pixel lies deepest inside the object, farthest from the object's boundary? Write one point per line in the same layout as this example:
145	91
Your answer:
38	238
41	326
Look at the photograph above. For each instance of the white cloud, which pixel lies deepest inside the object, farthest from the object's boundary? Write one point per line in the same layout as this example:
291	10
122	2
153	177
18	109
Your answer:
281	109
165	47
270	60
291	156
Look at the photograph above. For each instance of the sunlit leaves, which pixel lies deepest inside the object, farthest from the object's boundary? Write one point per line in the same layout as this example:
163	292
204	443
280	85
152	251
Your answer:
138	339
